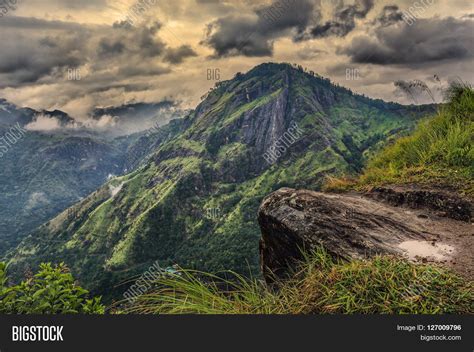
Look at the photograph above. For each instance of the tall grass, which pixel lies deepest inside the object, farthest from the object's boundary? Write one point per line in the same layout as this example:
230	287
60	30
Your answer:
441	149
320	285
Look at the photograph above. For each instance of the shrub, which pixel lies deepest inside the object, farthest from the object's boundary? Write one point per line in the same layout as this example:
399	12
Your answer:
51	291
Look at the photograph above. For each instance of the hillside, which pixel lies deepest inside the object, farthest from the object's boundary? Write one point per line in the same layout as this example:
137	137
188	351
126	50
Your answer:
48	168
44	172
195	201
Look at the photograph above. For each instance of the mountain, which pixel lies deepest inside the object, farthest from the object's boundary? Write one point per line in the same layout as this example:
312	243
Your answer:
11	114
48	162
194	202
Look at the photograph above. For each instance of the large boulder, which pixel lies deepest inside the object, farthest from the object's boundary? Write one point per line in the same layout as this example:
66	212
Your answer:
354	226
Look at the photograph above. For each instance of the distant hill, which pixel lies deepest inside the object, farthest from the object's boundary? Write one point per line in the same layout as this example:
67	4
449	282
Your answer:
52	161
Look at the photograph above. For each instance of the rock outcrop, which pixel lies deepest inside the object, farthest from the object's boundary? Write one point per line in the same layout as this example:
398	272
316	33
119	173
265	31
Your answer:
356	226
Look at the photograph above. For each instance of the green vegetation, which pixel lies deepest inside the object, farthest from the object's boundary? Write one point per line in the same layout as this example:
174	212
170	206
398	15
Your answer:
440	151
320	285
51	291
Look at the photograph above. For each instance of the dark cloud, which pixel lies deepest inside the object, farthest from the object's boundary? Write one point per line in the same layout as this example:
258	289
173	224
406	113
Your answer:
390	15
42	51
27	56
149	45
133	40
74	4
123	24
344	20
253	35
142	70
237	35
285	14
23	23
425	41
108	47
177	55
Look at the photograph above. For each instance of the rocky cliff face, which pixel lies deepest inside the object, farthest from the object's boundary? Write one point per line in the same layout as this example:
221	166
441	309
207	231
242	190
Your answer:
419	224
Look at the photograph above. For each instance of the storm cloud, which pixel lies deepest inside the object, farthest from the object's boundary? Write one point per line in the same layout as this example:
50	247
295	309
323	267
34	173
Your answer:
425	41
36	50
178	55
344	20
253	34
390	15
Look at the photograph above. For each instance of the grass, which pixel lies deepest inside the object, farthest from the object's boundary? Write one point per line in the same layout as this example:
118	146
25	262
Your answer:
319	285
339	184
440	151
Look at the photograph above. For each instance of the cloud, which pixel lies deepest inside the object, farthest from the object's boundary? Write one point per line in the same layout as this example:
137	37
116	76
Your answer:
30	55
66	5
178	55
74	4
309	53
126	40
43	123
253	34
425	41
344	20
27	55
104	121
237	35
110	48
121	62
117	59
390	15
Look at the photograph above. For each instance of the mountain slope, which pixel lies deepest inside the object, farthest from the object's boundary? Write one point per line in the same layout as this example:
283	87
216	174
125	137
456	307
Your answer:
44	172
47	164
195	202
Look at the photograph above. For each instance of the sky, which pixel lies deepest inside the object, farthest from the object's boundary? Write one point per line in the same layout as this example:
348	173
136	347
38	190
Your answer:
76	55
